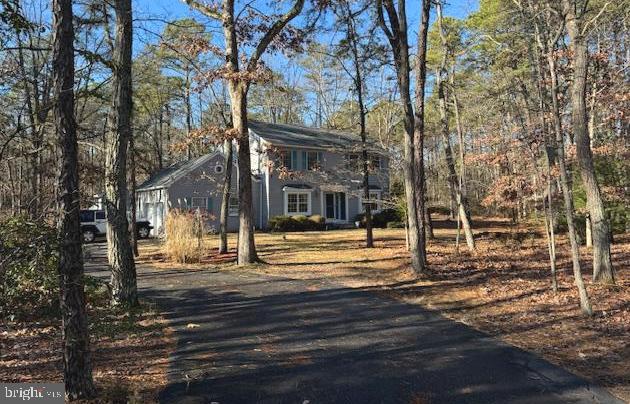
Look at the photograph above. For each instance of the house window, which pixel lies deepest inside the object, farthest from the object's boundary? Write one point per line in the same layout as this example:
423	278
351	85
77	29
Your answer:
313	160
352	161
374	202
218	169
200	203
297	203
289	159
375	162
233	205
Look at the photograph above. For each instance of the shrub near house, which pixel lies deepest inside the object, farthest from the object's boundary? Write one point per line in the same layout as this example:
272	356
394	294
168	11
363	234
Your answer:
297	223
382	218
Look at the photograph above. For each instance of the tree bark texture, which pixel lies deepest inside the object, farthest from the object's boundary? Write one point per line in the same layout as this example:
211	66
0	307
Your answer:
119	251
418	138
396	33
464	206
77	367
602	262
462	210
246	243
227	183
585	303
133	228
358	87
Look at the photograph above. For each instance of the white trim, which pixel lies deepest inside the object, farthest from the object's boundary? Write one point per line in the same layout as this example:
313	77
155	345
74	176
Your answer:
289	188
309	201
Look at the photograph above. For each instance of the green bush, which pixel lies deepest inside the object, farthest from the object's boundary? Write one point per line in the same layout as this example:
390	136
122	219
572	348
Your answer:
619	216
29	284
297	223
28	268
380	219
396	225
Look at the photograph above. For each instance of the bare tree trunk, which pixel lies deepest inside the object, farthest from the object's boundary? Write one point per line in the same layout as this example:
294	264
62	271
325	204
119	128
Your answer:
549	212
589	231
246	244
454	186
538	76
77	366
161	143
428	222
188	114
119	252
227	183
602	261
358	87
463	195
396	33
238	103
238	87
585	303
133	228
418	138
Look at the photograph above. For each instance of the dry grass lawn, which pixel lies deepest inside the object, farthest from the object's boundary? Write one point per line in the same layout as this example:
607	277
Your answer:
503	289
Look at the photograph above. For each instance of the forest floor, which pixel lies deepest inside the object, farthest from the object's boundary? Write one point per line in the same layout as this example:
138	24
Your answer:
502	290
130	351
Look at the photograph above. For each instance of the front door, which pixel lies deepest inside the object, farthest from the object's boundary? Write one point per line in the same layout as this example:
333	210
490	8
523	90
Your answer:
335	206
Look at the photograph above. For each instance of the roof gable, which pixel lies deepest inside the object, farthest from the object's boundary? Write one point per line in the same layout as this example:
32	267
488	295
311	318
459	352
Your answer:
172	173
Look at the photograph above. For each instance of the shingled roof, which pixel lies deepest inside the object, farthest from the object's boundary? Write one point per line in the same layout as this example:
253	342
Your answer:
168	175
301	136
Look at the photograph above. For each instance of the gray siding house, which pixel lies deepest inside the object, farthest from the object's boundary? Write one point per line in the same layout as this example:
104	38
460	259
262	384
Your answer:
295	171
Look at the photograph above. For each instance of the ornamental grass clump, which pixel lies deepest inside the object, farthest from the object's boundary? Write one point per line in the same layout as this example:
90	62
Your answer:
183	237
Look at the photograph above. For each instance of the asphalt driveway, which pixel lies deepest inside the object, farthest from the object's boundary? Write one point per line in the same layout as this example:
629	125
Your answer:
249	338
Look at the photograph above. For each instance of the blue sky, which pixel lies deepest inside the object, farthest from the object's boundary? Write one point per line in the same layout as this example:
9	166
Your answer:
175	9
151	16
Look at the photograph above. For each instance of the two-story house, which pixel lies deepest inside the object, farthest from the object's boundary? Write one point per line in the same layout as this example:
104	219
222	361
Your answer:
295	171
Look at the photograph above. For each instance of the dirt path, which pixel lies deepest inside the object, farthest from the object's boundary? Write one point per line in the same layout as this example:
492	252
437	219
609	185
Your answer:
251	338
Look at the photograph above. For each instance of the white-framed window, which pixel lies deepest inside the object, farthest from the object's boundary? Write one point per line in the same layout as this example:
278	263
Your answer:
233	204
218	168
374	201
198	202
297	203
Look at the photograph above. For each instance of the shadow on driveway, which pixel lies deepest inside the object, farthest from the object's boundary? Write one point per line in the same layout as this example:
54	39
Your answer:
250	338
